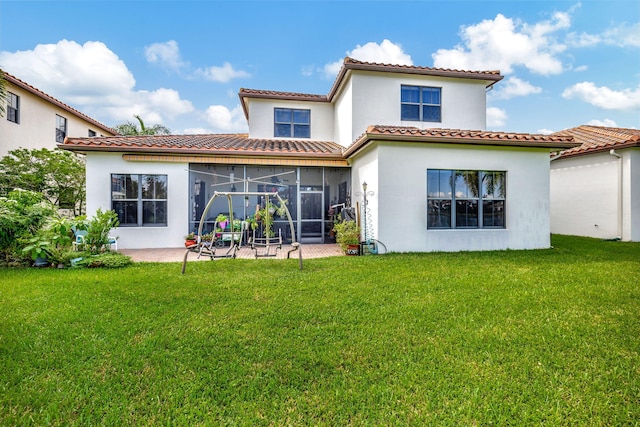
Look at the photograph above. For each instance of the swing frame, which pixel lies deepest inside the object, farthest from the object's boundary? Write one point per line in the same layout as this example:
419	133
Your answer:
267	244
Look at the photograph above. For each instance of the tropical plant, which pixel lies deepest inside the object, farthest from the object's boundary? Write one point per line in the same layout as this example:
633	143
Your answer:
55	239
130	128
22	215
98	229
58	174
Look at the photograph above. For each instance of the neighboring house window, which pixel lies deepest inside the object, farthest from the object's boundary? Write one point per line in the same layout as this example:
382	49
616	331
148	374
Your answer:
13	108
292	123
465	199
92	133
139	200
420	103
61	129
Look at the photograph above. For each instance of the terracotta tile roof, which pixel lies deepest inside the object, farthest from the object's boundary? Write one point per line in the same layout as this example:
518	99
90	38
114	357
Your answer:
491	77
258	93
458	136
595	139
213	144
37	92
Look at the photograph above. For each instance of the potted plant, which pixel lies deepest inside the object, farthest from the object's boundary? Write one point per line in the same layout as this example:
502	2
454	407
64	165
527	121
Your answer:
267	215
348	237
190	239
222	220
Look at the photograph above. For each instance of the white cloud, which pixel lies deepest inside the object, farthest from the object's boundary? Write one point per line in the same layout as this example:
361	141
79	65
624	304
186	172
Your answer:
513	87
221	74
603	97
386	52
496	117
226	121
606	123
307	70
94	80
196	131
504	44
69	69
622	35
545	131
166	54
581	68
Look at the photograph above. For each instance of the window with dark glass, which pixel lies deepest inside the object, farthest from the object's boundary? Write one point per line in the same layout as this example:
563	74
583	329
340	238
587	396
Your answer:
139	200
61	129
92	133
420	103
13	108
292	123
465	199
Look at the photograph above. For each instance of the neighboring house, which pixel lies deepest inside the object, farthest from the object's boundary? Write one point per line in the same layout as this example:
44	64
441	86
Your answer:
34	119
595	187
431	186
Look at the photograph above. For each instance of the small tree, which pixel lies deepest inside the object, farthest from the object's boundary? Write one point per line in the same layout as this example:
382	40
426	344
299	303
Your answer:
58	174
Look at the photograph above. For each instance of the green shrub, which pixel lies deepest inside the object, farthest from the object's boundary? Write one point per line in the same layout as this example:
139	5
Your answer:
105	260
347	233
22	214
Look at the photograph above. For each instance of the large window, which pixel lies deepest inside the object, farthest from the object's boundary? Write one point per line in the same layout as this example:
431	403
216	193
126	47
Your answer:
13	108
465	199
139	200
420	103
292	123
61	129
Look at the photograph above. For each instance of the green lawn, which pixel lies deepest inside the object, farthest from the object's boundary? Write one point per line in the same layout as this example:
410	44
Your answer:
496	338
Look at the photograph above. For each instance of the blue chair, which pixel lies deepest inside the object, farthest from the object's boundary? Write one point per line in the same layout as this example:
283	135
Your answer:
79	242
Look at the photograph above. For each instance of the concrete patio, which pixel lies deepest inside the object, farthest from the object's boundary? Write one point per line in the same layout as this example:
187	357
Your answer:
245	252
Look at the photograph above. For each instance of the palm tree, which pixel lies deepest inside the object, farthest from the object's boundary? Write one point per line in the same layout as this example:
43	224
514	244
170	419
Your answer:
132	128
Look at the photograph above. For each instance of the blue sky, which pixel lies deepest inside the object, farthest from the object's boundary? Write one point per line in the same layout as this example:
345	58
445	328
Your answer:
181	63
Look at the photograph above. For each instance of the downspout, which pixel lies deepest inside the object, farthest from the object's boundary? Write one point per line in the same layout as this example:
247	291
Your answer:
620	216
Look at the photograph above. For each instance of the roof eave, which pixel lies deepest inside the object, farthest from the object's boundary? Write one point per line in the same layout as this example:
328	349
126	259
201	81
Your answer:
605	149
368	138
188	151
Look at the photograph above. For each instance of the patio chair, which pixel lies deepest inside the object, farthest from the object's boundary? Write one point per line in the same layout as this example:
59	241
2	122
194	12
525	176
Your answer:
79	242
113	243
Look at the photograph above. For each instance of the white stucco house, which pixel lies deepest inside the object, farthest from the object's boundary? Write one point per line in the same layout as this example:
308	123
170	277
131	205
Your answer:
595	187
436	179
34	119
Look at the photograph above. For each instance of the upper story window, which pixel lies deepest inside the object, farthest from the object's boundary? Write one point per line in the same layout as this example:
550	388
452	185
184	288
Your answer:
139	200
466	199
61	128
92	133
13	108
292	123
420	103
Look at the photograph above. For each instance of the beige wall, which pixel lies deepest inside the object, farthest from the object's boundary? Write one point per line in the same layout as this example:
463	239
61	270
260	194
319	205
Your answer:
37	123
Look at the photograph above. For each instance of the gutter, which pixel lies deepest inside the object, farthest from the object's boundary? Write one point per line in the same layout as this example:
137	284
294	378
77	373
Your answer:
620	213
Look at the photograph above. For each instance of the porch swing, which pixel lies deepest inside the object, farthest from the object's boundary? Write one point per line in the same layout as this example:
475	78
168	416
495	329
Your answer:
235	236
